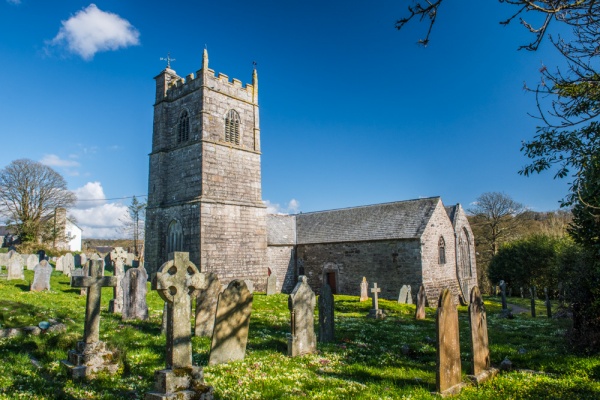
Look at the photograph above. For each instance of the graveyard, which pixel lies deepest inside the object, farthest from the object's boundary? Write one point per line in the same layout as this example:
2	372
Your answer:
364	358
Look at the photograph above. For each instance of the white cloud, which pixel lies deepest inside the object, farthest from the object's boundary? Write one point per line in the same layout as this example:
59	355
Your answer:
292	207
52	160
92	30
14	1
98	218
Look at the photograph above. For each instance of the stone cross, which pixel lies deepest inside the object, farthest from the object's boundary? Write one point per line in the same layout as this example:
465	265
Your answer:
533	296
448	368
480	352
118	257
94	284
364	289
326	315
177	281
503	293
375	290
421	300
301	304
548	304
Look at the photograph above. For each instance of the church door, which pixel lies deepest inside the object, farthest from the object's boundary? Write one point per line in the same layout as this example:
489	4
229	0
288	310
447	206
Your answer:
331	282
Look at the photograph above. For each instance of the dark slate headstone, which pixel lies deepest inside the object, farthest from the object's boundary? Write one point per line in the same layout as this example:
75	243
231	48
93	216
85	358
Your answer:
364	289
41	276
480	352
301	304
134	290
206	306
448	368
503	294
177	282
41	255
421	300
232	322
326	315
77	260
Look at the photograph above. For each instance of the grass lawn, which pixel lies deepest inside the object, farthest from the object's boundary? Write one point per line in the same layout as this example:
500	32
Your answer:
389	359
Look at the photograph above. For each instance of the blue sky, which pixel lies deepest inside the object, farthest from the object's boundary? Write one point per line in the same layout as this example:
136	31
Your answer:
353	112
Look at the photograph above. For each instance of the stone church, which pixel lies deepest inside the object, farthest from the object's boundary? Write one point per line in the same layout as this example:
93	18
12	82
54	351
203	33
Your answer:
204	197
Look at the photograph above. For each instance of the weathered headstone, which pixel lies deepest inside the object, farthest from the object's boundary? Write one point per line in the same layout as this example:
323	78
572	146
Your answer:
77	260
41	276
480	351
134	290
421	300
68	264
448	368
271	283
177	282
91	355
375	312
405	296
118	257
232	322
326	315
32	261
15	267
533	296
59	264
548	304
83	259
3	259
249	285
301	303
503	294
206	306
364	289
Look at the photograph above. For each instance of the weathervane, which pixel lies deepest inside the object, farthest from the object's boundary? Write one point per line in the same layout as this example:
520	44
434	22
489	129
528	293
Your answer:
168	59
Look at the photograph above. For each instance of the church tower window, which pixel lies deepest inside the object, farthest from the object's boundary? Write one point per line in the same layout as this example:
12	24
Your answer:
174	237
183	129
232	127
441	251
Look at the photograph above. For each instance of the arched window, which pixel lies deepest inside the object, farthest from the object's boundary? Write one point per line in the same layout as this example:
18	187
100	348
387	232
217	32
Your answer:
464	253
442	251
183	129
232	127
174	237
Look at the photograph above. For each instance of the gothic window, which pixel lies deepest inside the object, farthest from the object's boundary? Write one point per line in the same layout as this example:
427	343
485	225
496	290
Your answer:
441	251
232	127
183	129
174	237
464	253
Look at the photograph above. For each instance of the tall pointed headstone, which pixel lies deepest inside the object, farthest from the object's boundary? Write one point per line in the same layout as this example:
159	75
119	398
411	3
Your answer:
448	368
301	303
480	351
421	300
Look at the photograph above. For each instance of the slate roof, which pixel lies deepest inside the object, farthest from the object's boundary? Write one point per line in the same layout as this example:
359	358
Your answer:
281	229
398	220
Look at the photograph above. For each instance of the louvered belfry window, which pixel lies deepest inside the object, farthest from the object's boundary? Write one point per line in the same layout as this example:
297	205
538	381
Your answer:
232	127
183	131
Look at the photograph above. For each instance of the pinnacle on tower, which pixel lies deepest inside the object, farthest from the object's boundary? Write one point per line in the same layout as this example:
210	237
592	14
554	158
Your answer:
205	60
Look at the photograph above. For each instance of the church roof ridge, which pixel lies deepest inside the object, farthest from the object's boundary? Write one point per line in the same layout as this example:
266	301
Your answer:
368	205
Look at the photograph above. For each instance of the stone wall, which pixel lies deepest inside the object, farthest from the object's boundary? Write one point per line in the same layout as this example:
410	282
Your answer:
280	259
438	276
467	281
390	263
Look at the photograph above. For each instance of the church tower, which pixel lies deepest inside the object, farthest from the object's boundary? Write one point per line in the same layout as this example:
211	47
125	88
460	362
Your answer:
204	189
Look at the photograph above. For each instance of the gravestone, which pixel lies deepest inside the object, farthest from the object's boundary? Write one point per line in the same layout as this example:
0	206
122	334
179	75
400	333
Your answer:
521	290
118	257
375	312
68	264
83	259
271	283
59	264
448	368
130	258
326	315
249	285
421	300
206	306
32	261
533	296
232	322
15	267
364	289
176	282
77	260
98	257
41	255
480	351
3	259
91	354
405	296
503	294
301	303
548	304
41	276
133	286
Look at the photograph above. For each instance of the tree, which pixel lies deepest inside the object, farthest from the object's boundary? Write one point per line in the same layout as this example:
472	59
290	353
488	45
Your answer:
133	224
30	192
